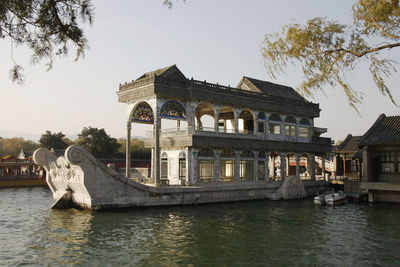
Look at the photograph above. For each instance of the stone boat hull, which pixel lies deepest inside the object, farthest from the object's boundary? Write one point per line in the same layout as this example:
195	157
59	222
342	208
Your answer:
79	180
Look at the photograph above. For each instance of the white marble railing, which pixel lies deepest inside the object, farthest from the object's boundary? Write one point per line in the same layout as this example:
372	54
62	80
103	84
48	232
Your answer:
210	131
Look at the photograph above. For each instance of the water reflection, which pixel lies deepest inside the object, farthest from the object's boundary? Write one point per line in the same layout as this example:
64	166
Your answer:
255	233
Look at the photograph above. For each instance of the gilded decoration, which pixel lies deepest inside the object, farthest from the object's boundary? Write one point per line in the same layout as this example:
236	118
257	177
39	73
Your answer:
173	110
143	113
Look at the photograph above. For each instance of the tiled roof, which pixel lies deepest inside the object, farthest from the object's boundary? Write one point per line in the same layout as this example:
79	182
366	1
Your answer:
273	89
385	131
167	71
349	144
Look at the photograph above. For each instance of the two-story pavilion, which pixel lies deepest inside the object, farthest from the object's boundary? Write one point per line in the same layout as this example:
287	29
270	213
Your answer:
223	134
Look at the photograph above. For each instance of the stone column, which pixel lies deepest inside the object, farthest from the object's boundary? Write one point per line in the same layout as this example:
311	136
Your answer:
367	165
298	156
128	151
217	165
190	117
188	166
237	114
287	165
216	119
152	164
267	167
273	169
313	167
256	167
157	122
194	171
323	165
237	166
283	166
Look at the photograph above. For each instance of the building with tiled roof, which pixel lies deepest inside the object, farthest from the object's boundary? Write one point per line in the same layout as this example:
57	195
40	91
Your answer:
347	161
381	159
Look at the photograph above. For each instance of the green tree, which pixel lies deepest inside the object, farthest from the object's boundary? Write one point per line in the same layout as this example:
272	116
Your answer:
98	142
54	140
137	148
328	50
12	146
47	27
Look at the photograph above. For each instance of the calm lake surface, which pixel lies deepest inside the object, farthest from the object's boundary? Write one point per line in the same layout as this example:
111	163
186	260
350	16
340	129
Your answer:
254	233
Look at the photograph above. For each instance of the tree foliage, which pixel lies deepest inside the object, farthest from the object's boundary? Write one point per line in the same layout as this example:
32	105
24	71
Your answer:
47	27
137	148
13	146
98	142
54	140
327	50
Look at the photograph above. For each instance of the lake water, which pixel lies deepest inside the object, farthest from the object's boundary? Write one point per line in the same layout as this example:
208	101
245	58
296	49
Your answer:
254	233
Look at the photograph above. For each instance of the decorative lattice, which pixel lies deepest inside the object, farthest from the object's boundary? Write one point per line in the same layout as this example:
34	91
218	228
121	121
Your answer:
261	155
261	116
205	153
305	121
290	119
247	154
173	110
275	117
143	113
227	153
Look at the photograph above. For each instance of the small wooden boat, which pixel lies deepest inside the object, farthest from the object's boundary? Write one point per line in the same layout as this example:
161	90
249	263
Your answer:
335	198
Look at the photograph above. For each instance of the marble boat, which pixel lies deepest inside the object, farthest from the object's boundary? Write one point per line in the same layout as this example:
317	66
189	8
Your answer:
230	143
79	180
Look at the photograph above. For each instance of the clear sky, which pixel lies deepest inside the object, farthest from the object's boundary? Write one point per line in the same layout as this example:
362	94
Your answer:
218	41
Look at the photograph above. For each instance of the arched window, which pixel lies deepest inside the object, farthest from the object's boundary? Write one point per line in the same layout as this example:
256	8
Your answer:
274	124
261	155
290	129
261	123
305	122
205	153
173	110
227	153
206	165
205	117
304	128
290	119
274	117
247	166
247	154
143	113
246	122
227	163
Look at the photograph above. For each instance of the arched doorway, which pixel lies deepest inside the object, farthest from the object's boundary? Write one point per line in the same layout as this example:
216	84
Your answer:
205	117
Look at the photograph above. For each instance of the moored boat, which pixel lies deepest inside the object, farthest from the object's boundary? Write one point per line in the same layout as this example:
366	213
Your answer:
335	198
320	199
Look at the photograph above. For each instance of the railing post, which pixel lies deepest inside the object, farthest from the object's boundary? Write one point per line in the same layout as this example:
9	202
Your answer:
128	150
